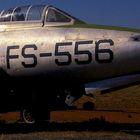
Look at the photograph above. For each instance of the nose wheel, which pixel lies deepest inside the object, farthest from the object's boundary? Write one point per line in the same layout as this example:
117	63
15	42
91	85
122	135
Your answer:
27	116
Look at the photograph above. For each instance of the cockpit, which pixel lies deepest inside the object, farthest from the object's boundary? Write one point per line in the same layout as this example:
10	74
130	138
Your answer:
37	13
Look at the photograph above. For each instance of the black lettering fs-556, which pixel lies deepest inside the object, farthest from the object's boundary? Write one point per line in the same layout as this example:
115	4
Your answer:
66	54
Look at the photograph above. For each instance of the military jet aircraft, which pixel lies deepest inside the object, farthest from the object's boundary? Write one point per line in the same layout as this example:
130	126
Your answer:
47	55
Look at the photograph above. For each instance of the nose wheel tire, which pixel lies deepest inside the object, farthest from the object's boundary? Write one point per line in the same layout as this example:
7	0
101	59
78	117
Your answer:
27	116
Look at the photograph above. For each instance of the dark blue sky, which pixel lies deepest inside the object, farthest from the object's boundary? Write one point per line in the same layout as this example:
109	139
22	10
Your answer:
106	12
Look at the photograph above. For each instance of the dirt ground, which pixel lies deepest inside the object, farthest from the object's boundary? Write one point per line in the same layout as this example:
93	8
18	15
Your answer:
81	116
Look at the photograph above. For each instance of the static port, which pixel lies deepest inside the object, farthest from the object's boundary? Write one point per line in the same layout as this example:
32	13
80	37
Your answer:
136	38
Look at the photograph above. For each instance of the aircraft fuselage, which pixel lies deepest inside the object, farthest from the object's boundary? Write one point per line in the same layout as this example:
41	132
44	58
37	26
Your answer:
71	54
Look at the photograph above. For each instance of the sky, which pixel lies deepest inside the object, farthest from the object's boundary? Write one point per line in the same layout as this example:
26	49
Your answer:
124	13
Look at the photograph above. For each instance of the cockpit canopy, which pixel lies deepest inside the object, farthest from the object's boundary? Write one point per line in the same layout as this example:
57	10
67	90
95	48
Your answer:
24	13
35	13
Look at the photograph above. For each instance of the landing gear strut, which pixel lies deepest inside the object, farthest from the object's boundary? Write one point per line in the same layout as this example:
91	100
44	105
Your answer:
40	104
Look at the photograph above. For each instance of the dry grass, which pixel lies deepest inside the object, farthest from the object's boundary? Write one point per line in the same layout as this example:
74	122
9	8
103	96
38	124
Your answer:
127	99
123	99
71	136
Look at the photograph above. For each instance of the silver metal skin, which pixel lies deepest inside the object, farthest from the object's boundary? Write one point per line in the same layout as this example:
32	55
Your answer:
45	36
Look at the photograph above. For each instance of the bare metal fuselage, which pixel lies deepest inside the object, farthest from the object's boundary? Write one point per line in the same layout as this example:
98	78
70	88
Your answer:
68	54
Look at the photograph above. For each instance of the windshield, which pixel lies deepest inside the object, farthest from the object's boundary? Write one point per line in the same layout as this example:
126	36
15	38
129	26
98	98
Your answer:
55	16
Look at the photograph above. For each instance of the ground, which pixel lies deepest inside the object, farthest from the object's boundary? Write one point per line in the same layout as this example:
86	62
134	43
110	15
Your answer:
116	117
